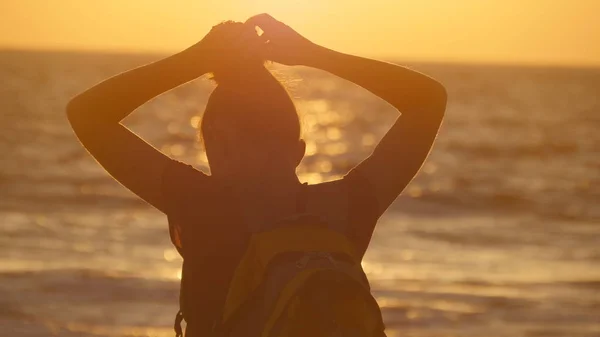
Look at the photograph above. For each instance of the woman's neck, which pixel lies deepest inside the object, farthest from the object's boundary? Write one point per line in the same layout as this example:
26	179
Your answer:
268	197
268	183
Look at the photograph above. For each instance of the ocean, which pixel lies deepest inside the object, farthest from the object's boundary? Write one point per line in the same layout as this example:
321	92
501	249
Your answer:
498	235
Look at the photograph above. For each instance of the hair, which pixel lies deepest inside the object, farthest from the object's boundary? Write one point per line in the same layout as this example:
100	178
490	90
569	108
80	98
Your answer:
253	104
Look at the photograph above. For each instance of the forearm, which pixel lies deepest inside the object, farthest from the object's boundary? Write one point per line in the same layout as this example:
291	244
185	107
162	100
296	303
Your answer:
115	98
407	90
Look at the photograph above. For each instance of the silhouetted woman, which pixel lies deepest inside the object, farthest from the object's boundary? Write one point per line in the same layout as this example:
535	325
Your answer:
251	134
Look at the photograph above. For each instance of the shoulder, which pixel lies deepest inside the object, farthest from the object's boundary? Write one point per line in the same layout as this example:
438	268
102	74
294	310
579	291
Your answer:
176	171
351	202
183	184
354	183
180	177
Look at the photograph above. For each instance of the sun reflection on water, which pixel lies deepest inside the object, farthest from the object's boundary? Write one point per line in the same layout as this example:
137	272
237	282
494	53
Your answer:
317	106
335	149
195	122
201	158
415	191
177	150
311	178
171	254
333	133
368	139
174	128
311	148
324	166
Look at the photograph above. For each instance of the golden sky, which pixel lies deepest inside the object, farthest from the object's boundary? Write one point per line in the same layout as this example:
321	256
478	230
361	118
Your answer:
504	31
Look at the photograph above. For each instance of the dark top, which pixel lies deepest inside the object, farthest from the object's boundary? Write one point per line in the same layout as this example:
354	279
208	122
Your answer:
209	233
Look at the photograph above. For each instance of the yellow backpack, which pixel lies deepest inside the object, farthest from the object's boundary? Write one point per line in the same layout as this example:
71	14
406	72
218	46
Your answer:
300	279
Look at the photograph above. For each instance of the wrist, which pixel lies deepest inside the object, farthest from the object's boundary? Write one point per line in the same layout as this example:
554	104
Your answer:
193	61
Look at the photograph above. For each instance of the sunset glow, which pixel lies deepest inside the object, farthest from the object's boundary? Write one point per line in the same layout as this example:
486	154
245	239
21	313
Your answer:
465	168
507	31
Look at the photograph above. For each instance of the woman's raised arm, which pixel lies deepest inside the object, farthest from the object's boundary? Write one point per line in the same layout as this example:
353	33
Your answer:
95	114
420	99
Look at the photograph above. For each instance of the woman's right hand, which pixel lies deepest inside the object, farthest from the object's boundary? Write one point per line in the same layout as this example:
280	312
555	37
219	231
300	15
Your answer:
226	44
281	43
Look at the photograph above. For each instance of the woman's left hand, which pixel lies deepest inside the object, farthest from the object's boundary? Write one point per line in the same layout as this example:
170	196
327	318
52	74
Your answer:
281	43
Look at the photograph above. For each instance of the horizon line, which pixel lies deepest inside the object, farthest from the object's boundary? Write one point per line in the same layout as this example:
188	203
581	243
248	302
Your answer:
431	61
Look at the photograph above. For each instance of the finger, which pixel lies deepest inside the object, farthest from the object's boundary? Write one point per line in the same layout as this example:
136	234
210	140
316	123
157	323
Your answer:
247	39
257	30
264	37
253	34
233	31
260	19
264	21
227	29
250	34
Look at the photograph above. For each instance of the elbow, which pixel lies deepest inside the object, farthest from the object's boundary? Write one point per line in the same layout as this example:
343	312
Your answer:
79	117
85	117
74	117
73	109
78	112
439	99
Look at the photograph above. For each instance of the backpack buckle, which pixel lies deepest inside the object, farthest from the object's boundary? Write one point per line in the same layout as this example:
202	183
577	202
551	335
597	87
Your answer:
177	325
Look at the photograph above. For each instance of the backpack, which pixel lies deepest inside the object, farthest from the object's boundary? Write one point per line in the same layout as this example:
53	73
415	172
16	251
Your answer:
298	278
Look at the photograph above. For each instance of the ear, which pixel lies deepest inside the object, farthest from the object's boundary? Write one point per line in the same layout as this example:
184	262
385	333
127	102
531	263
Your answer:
298	155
